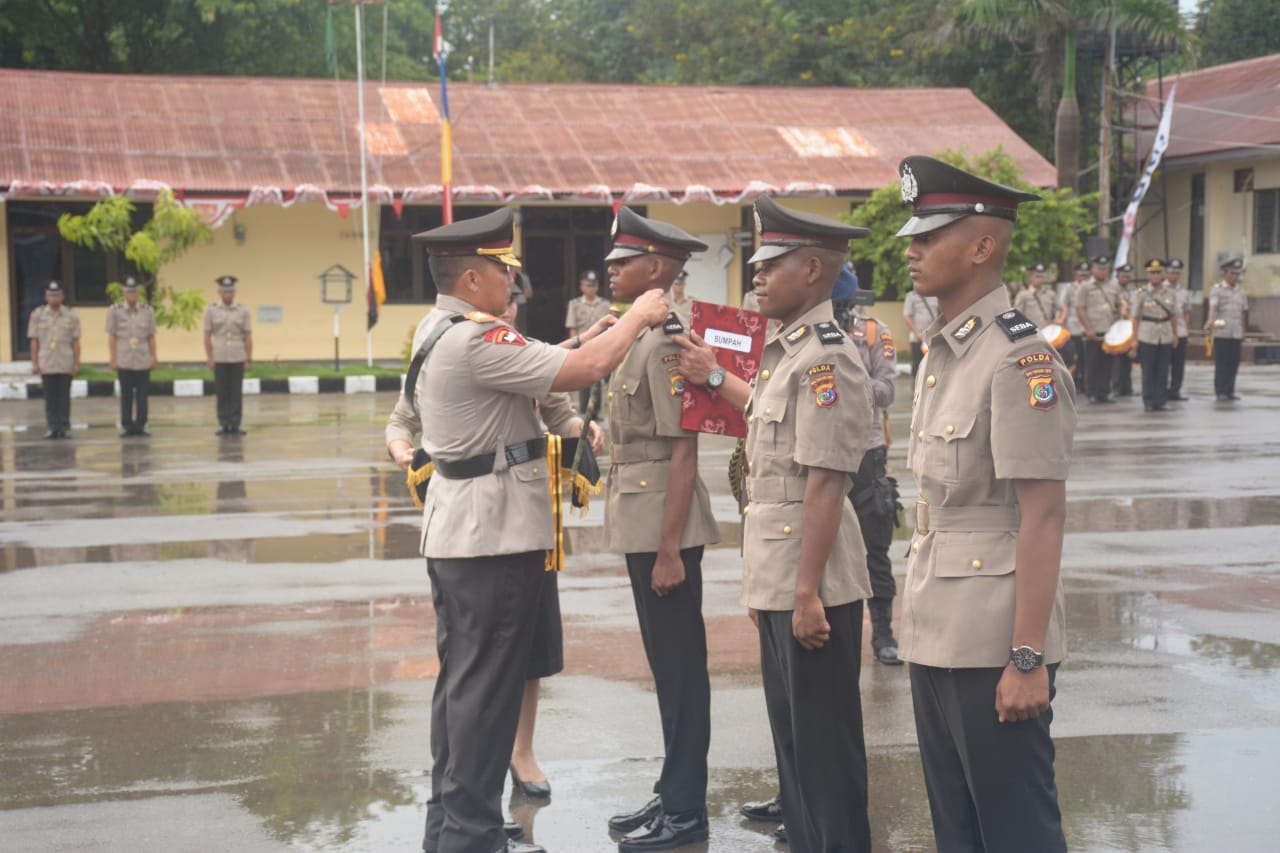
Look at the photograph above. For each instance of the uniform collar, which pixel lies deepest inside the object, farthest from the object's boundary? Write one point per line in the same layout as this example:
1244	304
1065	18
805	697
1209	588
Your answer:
798	333
449	302
977	318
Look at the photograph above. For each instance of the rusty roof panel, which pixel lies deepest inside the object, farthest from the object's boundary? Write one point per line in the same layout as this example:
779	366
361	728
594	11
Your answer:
1230	107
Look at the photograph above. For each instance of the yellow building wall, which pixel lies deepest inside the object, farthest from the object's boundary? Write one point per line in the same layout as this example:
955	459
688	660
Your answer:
6	298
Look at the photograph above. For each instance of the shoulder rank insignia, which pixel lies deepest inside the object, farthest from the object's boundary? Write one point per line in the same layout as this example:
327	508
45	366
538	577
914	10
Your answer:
481	317
797	334
504	335
968	327
673	326
829	333
1016	324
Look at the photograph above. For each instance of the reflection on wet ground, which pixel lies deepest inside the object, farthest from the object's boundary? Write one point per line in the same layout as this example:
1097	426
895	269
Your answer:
228	644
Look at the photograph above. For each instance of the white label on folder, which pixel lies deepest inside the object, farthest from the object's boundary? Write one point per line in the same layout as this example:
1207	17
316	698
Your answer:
728	340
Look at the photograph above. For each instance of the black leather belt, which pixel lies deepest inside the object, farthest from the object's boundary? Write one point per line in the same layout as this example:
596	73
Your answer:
478	466
1155	319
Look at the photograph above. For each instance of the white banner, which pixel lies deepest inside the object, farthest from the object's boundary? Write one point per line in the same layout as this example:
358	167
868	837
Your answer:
1157	151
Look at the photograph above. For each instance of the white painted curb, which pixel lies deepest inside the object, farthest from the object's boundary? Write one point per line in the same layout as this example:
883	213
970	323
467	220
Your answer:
304	384
79	388
360	384
250	386
13	390
188	387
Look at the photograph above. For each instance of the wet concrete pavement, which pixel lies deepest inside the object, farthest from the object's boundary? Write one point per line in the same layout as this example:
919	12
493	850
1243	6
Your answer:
227	644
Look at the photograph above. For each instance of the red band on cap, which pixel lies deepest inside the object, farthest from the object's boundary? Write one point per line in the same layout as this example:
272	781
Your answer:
938	199
838	244
651	246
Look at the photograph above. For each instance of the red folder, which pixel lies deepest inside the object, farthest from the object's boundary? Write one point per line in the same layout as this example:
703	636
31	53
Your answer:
737	335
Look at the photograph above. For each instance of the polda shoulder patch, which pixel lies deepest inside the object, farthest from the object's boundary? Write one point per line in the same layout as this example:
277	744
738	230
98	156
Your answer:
1015	324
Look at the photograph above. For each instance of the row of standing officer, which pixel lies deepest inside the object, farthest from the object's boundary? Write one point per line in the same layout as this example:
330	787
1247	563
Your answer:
54	331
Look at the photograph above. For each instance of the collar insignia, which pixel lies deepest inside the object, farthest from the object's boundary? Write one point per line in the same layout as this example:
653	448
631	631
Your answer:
796	335
967	328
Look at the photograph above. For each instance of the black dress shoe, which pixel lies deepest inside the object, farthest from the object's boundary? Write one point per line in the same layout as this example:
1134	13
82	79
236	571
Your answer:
667	831
638	818
513	830
888	655
1234	397
769	811
781	833
1178	398
514	846
53	433
536	790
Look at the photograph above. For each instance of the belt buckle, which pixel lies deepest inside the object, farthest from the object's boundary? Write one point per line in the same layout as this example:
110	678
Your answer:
922	516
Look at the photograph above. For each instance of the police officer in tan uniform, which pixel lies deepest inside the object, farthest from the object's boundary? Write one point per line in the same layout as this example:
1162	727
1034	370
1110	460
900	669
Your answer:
228	347
1154	309
54	332
1122	363
804	566
131	342
1227	319
1181	327
584	311
486	521
1099	303
1071	296
681	304
982	608
1038	302
658	513
919	311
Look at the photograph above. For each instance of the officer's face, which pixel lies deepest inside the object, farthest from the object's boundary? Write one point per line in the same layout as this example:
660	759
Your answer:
629	277
936	259
490	286
589	287
228	296
1229	276
1155	279
1123	278
1037	279
131	298
53	298
1099	272
780	285
1173	275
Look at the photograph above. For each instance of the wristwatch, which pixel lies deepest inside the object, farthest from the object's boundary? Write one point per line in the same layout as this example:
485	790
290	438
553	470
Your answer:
1026	659
716	378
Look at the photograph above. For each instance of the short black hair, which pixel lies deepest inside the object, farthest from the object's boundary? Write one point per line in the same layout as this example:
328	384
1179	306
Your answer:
447	269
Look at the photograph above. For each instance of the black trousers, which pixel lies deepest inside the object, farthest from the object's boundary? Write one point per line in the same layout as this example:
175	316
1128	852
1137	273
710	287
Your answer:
990	784
1154	359
1177	366
1073	355
57	400
815	713
134	386
485	613
1226	363
675	643
1121	375
228	379
917	353
876	521
1097	369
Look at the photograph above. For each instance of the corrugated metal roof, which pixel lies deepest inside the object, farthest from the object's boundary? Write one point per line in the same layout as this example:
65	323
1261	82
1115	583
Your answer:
220	134
1224	108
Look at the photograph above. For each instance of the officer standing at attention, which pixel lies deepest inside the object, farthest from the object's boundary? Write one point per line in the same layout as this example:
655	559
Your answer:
1153	312
228	348
804	574
486	521
1098	305
982	610
54	332
658	513
131	340
681	304
1227	319
1039	303
919	311
1071	297
1121	364
1181	327
874	495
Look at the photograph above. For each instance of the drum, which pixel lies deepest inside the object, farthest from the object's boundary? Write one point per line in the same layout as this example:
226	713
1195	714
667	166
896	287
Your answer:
1056	335
1118	338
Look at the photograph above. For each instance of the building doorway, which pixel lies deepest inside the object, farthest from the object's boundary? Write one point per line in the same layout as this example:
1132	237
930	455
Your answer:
558	244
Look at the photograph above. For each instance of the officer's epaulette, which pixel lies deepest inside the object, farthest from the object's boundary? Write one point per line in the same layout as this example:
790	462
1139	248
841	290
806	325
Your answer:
829	333
1016	324
480	317
673	326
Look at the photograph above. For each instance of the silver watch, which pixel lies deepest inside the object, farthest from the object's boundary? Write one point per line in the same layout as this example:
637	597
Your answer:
1026	659
716	378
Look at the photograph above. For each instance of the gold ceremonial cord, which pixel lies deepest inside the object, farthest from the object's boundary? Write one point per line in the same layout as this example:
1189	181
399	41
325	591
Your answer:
1208	343
555	557
413	479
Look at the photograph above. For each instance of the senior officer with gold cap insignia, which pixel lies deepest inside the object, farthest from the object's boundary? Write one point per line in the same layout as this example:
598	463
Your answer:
804	572
658	514
487	522
1154	308
228	348
990	445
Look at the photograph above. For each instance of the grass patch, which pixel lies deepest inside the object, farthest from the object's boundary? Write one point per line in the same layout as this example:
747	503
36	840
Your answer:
168	373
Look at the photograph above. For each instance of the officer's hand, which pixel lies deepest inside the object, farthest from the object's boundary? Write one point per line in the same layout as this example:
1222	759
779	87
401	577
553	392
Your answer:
697	358
112	364
402	455
809	623
652	306
35	367
668	573
754	616
154	362
1022	695
75	369
596	436
1090	335
210	363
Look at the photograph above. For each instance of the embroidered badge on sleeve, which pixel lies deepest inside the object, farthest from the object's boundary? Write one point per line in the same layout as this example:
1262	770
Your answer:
822	380
1043	394
504	335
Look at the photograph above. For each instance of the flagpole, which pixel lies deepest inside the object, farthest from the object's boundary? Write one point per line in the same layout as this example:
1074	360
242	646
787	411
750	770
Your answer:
446	130
364	174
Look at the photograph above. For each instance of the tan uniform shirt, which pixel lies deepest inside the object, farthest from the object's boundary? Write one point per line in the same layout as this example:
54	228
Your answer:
133	329
582	314
1181	305
987	411
921	309
1071	296
1039	304
1231	303
811	407
1153	313
229	325
1102	301
475	396
880	358
683	309
56	333
645	396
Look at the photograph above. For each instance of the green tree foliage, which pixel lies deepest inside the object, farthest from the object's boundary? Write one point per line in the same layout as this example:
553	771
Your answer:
171	231
1231	30
1048	230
